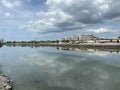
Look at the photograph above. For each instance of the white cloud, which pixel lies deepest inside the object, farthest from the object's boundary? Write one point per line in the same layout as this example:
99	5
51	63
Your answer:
8	14
100	30
9	4
65	15
104	7
6	3
49	64
16	3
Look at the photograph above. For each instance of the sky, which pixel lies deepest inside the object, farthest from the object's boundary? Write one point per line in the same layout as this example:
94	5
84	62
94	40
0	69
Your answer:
22	20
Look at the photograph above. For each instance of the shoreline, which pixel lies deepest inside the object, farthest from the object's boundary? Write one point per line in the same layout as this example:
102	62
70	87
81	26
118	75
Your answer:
85	45
5	82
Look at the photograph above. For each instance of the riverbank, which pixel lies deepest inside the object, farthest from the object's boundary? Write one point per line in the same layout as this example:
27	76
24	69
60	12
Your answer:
5	82
84	45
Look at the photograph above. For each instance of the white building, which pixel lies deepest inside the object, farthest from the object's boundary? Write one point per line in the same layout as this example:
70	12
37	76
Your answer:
86	37
78	39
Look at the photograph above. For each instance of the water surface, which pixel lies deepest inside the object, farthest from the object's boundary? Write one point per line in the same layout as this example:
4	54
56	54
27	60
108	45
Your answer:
47	68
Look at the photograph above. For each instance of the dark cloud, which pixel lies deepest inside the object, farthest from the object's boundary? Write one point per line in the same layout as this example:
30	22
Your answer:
84	12
75	14
113	10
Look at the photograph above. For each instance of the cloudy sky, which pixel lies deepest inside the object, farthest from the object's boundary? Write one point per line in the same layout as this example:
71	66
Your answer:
54	19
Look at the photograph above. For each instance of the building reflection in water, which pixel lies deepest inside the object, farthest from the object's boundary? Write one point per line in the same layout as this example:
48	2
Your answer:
89	49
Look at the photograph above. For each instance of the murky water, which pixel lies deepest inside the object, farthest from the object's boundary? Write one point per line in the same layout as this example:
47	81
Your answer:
47	68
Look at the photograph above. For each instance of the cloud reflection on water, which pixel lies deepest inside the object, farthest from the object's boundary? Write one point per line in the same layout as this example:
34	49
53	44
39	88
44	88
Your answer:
74	72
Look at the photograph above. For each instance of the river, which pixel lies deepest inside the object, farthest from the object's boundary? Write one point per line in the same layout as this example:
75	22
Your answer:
50	68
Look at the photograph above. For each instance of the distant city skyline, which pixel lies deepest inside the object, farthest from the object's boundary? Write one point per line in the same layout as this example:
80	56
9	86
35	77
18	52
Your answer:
54	19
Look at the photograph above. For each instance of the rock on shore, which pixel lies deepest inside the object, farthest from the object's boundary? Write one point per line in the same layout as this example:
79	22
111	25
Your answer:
5	83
